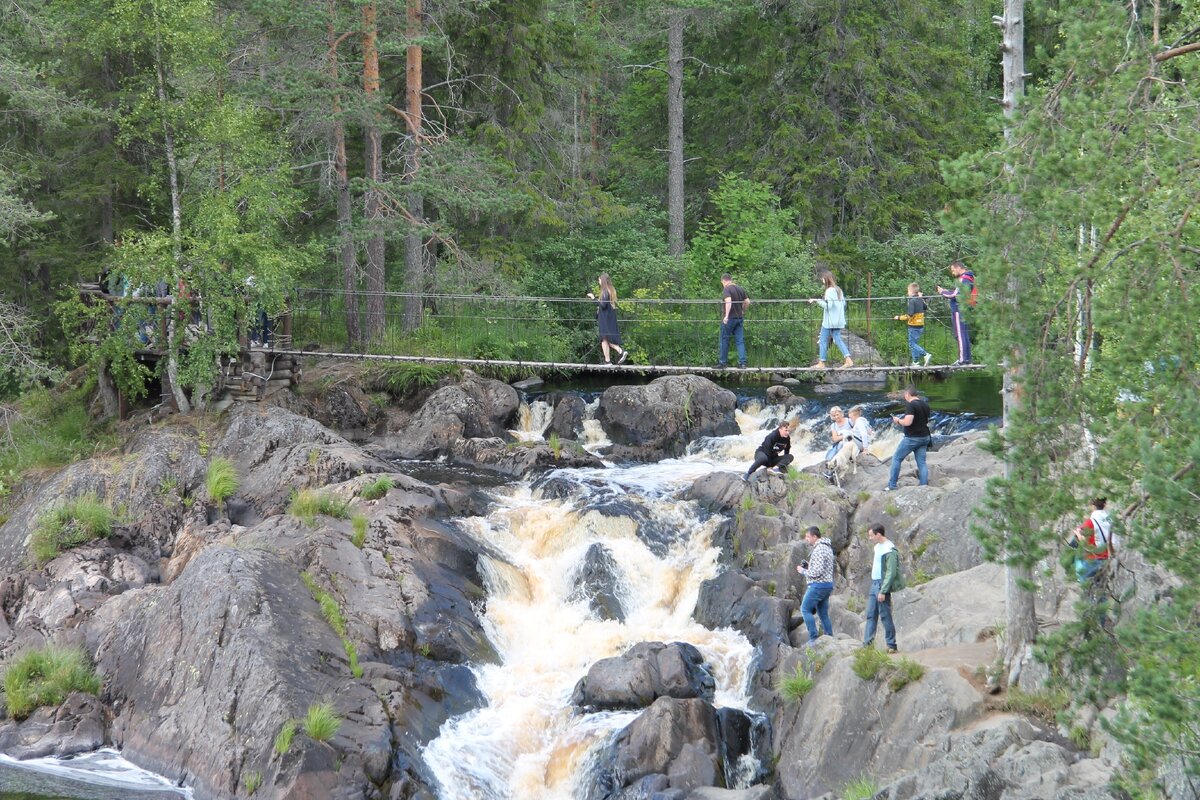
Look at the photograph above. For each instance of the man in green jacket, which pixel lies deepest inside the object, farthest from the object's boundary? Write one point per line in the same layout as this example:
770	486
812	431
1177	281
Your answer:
885	578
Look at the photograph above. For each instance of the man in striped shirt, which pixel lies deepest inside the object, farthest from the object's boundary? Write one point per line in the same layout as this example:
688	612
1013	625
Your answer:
818	569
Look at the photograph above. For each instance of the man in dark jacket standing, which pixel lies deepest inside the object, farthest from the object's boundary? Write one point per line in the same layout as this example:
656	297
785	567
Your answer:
775	452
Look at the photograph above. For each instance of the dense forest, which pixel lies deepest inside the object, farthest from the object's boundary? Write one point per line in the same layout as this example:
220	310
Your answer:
521	147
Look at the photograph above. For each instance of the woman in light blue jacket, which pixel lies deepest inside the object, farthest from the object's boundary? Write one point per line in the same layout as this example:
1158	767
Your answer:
834	304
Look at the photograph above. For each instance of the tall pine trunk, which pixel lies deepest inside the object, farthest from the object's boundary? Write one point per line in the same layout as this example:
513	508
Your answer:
1021	629
675	133
348	255
414	249
373	168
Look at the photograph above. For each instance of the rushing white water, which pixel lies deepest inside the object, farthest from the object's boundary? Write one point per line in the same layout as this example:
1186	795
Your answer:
528	742
532	421
104	769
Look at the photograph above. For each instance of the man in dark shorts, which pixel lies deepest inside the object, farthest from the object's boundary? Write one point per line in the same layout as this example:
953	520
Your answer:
917	439
733	313
775	451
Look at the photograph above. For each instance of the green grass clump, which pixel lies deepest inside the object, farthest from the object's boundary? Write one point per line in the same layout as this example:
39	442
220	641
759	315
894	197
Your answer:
283	739
252	781
50	428
904	672
44	677
75	522
377	488
221	481
862	788
555	445
1045	704
795	686
332	613
308	503
359	524
871	663
321	722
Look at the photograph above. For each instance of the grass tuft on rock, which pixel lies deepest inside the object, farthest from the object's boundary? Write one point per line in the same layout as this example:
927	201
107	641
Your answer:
75	522
377	488
44	677
861	788
359	523
308	503
794	687
871	663
321	722
283	739
221	481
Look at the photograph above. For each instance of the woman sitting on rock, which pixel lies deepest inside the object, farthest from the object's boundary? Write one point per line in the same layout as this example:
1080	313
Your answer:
856	442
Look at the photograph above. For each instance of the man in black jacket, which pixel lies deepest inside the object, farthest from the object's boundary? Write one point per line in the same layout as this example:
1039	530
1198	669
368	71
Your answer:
774	452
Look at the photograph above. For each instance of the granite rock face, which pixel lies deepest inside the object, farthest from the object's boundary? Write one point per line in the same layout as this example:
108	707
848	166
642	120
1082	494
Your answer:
655	421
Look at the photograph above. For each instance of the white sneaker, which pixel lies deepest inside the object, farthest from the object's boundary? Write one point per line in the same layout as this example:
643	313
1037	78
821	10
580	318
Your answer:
915	364
928	358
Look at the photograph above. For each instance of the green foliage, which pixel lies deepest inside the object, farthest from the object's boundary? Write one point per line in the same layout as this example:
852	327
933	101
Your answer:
904	672
75	522
251	781
321	722
871	663
359	525
44	677
920	576
332	612
555	445
868	661
855	604
402	379
308	503
377	488
861	788
283	739
49	428
1044	704
795	686
221	481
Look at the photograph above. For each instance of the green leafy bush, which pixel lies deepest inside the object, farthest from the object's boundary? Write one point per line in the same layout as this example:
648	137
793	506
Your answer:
221	481
308	503
75	522
44	677
377	488
321	722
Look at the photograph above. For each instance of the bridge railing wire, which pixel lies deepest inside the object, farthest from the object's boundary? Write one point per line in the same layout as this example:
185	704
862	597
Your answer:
682	332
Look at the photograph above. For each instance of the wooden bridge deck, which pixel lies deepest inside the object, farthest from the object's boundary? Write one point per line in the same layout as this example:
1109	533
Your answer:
863	371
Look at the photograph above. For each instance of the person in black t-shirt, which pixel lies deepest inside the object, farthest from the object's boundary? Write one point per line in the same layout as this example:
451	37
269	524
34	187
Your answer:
775	452
733	312
917	439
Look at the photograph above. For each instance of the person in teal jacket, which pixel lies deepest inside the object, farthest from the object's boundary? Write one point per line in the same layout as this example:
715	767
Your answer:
885	579
833	304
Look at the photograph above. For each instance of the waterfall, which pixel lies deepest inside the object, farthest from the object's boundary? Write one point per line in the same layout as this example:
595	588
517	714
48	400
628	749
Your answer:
532	421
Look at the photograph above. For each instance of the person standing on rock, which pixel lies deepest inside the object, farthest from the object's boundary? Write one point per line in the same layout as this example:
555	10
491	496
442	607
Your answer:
832	321
885	577
966	292
734	303
818	570
1095	534
915	421
606	317
914	315
775	452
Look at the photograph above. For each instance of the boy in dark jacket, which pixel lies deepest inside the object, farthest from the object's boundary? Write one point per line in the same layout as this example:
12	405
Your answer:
774	452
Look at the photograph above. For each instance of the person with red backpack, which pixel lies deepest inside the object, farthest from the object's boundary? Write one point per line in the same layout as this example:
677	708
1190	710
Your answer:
970	295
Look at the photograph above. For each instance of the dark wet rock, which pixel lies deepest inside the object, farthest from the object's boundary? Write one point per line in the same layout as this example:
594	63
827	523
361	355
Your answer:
647	423
598	582
76	726
733	600
655	534
646	672
673	737
473	408
741	734
782	396
520	458
345	408
567	420
525	385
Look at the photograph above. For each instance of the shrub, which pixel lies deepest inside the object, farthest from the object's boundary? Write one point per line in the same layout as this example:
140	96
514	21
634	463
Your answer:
221	481
904	672
795	686
377	488
308	503
321	722
44	677
283	739
1041	703
359	537
869	662
73	523
555	445
862	788
252	781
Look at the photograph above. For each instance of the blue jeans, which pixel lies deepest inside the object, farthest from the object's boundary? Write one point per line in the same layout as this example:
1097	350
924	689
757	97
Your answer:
917	445
732	329
823	342
914	346
816	598
877	611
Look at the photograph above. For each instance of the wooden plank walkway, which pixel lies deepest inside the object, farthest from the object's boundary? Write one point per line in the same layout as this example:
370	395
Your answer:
862	372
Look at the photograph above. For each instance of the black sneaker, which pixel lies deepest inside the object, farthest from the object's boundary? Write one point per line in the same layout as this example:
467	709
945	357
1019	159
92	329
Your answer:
624	357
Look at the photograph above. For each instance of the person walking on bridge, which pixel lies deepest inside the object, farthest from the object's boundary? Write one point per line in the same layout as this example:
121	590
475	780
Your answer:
606	318
914	315
832	321
775	452
965	291
734	303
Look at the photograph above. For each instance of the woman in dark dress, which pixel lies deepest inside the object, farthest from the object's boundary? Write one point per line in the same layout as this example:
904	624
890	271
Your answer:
606	316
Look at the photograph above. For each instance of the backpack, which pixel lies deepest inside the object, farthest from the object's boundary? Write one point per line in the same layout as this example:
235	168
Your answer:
898	583
973	297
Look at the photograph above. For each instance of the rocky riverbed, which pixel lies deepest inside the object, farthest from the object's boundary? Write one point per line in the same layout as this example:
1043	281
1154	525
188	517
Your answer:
612	616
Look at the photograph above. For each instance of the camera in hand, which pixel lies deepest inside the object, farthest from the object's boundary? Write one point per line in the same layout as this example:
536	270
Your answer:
804	564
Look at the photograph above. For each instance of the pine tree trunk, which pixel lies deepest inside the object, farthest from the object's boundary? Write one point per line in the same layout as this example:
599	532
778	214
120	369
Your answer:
414	249
1021	628
373	168
341	177
675	133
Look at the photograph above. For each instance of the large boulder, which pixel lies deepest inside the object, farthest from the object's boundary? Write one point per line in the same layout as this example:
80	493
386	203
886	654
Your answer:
646	672
76	726
567	420
473	408
655	421
732	600
598	582
518	459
